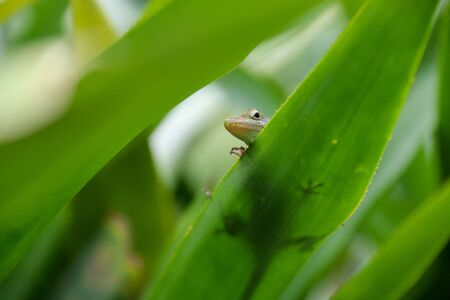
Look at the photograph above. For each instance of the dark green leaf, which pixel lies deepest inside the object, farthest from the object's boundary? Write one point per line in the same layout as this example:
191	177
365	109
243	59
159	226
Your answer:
415	125
129	87
309	168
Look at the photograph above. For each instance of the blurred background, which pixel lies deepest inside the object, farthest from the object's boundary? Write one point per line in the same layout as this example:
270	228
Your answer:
107	243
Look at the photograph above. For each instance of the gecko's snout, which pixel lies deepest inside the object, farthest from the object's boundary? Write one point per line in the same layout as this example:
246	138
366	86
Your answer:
228	122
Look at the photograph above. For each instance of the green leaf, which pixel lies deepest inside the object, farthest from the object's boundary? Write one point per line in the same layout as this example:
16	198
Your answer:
154	7
126	89
419	181
128	184
352	6
38	264
416	123
405	255
309	168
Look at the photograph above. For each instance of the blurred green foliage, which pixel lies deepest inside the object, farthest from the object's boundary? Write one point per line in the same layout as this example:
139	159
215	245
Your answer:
112	149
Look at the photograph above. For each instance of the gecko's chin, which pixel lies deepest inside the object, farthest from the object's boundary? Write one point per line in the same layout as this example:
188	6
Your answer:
228	123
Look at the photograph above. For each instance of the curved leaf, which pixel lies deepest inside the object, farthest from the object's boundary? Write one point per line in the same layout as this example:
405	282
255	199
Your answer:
309	168
406	254
126	89
415	123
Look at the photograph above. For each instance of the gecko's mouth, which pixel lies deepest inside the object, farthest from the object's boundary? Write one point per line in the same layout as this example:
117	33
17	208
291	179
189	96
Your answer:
245	131
237	123
234	124
230	122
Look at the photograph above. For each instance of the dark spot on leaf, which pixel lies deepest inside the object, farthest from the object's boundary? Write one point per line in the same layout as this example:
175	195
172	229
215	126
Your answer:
311	188
234	224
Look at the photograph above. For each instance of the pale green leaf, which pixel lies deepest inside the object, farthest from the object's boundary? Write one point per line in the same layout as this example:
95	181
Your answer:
92	31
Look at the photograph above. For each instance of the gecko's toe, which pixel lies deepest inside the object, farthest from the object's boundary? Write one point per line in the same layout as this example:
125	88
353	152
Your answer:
239	151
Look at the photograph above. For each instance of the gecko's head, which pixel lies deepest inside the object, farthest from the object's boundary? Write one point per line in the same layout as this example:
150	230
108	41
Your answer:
247	126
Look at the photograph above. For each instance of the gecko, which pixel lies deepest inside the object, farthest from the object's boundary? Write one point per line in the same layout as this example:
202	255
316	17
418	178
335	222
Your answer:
246	127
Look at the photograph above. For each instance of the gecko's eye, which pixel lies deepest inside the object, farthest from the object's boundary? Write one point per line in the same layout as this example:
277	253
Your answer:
256	115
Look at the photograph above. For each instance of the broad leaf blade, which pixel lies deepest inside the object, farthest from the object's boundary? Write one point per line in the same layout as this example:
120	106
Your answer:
266	216
405	255
415	124
126	89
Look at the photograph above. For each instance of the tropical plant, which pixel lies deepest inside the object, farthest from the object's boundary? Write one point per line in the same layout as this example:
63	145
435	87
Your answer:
113	155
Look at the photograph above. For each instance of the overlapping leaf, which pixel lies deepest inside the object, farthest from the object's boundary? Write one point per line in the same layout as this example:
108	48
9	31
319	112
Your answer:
309	168
126	89
405	255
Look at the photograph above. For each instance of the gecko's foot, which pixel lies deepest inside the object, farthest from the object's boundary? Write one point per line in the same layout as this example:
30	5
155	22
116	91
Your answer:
311	188
239	151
